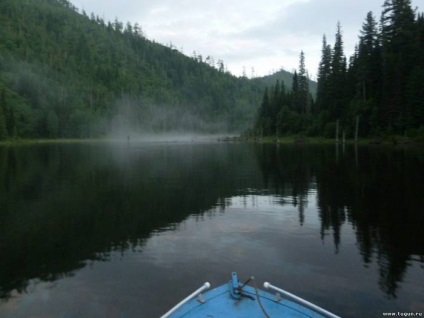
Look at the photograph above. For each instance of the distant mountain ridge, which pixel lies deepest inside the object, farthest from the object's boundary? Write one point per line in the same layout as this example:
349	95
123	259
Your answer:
287	77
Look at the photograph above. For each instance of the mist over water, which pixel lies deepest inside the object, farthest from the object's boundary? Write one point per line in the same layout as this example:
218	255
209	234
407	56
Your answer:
137	120
133	138
49	108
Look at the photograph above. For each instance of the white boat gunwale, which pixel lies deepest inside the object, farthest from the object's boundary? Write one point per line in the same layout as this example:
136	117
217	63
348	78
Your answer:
237	290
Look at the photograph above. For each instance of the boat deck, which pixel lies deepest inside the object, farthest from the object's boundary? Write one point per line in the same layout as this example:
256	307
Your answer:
219	303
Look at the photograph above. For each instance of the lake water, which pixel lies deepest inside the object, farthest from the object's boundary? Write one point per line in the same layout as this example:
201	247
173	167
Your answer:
128	230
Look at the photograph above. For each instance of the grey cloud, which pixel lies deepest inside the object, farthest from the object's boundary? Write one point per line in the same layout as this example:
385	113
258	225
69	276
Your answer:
238	31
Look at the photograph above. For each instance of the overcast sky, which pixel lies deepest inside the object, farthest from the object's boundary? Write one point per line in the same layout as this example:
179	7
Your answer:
265	35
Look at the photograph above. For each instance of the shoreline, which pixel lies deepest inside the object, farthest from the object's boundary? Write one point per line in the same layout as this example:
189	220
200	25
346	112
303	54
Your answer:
17	142
390	140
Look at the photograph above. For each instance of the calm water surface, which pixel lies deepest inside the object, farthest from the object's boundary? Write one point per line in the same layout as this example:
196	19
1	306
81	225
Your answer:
128	230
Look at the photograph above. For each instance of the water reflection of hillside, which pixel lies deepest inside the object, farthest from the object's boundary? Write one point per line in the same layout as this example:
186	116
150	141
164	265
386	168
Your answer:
65	205
379	192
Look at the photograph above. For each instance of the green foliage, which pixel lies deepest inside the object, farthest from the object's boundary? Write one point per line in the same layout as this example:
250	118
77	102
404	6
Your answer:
304	104
285	112
3	127
52	124
382	88
324	72
68	75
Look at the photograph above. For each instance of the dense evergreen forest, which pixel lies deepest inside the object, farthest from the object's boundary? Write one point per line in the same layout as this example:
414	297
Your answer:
379	92
64	73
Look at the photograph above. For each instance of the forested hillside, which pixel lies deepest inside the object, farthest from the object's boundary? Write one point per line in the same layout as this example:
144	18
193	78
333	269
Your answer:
379	92
66	74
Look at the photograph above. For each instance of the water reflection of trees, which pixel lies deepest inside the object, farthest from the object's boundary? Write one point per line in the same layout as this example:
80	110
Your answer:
65	205
62	206
288	172
378	191
388	211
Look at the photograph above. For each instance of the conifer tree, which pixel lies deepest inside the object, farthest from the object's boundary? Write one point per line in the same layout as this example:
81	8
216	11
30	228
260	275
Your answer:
369	58
263	120
303	86
3	126
12	130
337	79
398	44
52	124
414	95
324	73
383	85
295	106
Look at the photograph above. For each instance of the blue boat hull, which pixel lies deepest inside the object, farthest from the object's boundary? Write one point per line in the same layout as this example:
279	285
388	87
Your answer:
220	302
